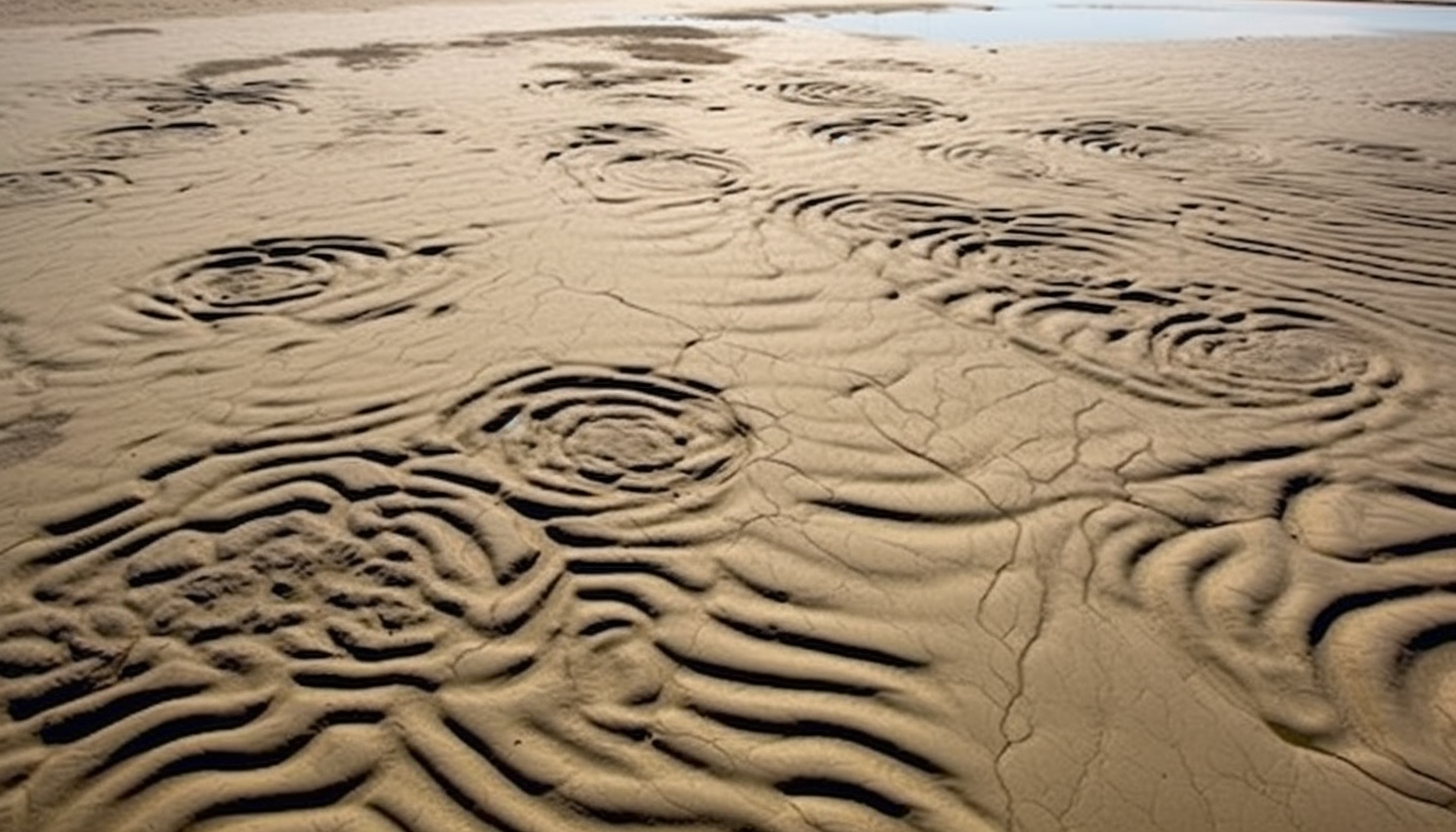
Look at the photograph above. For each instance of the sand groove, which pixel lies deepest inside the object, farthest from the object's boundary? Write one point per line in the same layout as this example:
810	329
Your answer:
319	280
628	163
951	231
1170	145
1342	643
510	622
843	95
33	187
607	455
175	99
1197	345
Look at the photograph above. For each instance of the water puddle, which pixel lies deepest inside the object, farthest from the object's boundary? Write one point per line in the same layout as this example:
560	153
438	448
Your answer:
1026	21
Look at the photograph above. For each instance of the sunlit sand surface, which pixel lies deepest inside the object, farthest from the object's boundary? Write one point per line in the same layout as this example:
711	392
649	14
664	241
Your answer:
539	418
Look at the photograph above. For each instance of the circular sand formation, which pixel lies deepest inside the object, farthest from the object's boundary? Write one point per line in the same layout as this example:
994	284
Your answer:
326	280
318	557
844	95
147	137
183	98
1195	347
1168	144
605	454
864	126
686	176
946	229
1436	107
190	97
247	609
312	617
983	156
35	187
1346	652
623	163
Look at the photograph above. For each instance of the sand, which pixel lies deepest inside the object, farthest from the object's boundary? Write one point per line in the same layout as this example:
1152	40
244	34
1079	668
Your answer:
513	418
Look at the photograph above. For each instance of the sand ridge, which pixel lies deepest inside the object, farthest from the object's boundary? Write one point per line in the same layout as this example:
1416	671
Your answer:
414	421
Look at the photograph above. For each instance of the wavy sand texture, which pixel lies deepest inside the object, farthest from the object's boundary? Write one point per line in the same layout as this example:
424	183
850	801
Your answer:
439	421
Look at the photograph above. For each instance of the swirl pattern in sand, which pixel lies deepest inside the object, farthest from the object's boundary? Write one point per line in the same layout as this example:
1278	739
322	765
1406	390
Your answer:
864	126
33	187
640	164
180	98
607	454
844	94
1335	617
945	229
1198	345
1169	145
314	623
245	613
322	280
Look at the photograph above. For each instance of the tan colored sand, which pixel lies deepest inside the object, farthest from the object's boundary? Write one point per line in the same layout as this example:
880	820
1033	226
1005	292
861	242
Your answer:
499	418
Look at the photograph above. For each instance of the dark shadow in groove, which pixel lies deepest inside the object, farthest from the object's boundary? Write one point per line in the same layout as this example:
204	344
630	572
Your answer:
339	681
849	651
274	804
621	596
754	677
529	785
1437	543
460	798
1439	498
627	567
286	507
366	653
1320	626
91	518
177	729
469	481
1427	640
678	754
84	724
24	707
843	790
210	761
391	818
819	728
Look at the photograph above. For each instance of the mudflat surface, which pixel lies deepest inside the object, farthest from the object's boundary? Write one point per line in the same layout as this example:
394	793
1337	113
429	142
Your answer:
434	422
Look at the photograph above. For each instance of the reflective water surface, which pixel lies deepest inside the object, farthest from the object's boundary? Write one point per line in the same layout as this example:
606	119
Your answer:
1025	21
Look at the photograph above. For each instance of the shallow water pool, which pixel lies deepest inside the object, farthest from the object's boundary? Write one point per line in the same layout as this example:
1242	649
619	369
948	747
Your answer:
1025	21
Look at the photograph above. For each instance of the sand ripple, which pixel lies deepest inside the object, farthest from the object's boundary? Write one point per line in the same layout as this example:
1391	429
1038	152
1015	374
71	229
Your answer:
608	454
33	187
1174	346
1337	630
323	280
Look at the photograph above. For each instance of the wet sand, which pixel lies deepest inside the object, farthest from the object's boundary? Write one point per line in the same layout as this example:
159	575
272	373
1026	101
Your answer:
507	418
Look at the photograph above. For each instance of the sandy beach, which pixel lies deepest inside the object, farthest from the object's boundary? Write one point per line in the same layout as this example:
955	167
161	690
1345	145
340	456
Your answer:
557	416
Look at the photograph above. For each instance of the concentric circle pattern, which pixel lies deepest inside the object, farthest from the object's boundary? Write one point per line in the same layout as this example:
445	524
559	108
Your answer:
693	175
336	279
864	126
844	94
34	187
946	229
623	163
334	561
1200	345
1170	145
619	451
981	156
190	97
1436	107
